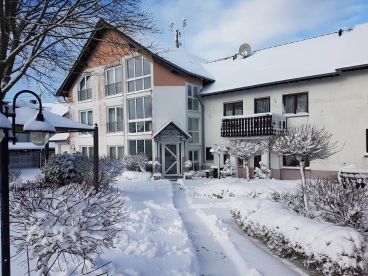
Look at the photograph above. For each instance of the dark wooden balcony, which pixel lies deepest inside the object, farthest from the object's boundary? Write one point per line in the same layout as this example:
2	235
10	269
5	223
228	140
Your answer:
263	124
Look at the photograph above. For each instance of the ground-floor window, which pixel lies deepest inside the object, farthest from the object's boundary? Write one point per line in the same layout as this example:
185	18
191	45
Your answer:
141	146
290	161
194	157
87	150
116	152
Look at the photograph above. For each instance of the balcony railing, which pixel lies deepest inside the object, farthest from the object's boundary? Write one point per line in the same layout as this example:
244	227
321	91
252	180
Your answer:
262	124
84	95
113	89
113	127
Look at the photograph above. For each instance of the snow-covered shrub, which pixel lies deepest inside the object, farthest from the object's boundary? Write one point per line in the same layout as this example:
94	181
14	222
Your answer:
14	175
199	173
64	168
263	172
157	165
135	162
188	164
245	150
228	170
330	249
72	220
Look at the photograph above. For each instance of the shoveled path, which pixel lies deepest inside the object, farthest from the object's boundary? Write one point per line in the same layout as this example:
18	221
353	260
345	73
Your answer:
218	255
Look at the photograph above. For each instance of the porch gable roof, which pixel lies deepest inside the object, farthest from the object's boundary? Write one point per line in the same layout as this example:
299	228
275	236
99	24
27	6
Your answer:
175	126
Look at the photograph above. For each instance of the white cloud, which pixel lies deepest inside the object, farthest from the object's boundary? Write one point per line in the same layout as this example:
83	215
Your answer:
216	28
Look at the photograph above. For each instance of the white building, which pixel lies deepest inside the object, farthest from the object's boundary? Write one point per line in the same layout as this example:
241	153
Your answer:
149	103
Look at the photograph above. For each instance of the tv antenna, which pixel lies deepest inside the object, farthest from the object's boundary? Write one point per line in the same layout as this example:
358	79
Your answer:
177	32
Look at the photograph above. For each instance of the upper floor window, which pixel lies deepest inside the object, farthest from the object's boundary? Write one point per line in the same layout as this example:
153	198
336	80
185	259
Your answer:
86	117
140	114
231	109
115	119
262	105
84	89
296	103
113	81
193	130
138	74
193	103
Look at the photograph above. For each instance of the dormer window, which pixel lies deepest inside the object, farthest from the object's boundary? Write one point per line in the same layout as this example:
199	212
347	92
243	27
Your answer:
84	89
138	74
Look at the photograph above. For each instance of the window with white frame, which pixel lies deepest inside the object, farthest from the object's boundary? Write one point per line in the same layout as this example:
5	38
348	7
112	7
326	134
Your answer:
115	119
192	92
113	81
116	151
138	71
140	114
141	146
87	151
86	117
84	89
194	157
193	130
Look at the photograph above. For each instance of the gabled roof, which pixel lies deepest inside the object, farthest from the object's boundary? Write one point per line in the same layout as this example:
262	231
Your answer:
171	125
325	55
176	60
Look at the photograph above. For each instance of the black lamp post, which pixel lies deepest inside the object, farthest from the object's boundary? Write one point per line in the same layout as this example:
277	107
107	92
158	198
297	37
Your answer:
39	129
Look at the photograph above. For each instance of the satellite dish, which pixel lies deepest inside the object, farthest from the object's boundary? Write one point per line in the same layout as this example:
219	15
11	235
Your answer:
244	49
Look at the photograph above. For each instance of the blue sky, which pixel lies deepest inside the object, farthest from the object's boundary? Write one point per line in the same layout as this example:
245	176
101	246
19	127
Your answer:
216	28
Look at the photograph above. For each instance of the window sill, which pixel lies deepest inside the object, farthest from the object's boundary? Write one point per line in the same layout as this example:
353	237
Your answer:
196	111
139	133
294	168
138	92
366	154
296	115
86	101
114	96
114	133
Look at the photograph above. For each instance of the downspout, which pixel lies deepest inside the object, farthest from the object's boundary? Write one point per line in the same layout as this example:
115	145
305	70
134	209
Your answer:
203	143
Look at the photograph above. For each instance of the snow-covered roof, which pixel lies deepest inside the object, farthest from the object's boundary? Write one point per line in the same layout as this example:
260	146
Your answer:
57	108
59	137
28	146
319	56
62	124
171	123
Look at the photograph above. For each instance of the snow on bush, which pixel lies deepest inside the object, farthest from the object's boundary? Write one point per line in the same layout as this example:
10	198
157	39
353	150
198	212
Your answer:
188	164
332	250
263	172
228	170
330	201
137	176
230	187
135	162
69	221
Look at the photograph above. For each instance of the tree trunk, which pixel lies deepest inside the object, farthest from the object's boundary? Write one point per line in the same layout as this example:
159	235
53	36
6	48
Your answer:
245	165
302	173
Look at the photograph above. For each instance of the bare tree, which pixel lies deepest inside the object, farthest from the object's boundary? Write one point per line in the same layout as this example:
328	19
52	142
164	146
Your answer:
245	150
41	38
304	143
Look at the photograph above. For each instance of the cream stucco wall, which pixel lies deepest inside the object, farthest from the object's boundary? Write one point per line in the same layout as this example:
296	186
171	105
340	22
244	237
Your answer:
340	104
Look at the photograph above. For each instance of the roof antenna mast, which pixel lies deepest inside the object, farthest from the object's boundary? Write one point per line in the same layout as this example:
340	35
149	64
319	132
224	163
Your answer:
177	32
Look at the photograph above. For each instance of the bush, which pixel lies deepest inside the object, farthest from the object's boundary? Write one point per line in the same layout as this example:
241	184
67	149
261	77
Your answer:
14	175
72	221
135	162
228	170
263	172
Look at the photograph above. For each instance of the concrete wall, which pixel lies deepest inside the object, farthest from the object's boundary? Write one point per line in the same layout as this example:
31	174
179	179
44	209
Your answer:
340	104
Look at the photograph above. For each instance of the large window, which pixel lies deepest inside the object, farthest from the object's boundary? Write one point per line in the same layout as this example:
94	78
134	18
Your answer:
87	151
84	89
116	151
115	119
231	109
141	146
193	103
138	74
113	81
262	105
194	157
296	103
86	117
140	114
193	130
290	161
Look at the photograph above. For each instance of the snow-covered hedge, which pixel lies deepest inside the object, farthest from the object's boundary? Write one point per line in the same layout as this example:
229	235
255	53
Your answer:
333	250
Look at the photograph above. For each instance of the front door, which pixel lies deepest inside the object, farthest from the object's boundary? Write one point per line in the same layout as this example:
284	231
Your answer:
171	159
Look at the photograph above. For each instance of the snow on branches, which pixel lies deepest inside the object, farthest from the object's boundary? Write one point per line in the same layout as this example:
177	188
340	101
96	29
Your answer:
72	221
245	150
133	162
263	172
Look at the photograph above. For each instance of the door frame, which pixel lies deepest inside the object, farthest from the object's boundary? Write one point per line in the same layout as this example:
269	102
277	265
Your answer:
179	154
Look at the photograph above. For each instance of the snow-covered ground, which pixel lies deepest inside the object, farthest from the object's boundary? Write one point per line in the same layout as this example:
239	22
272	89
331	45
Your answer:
171	230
